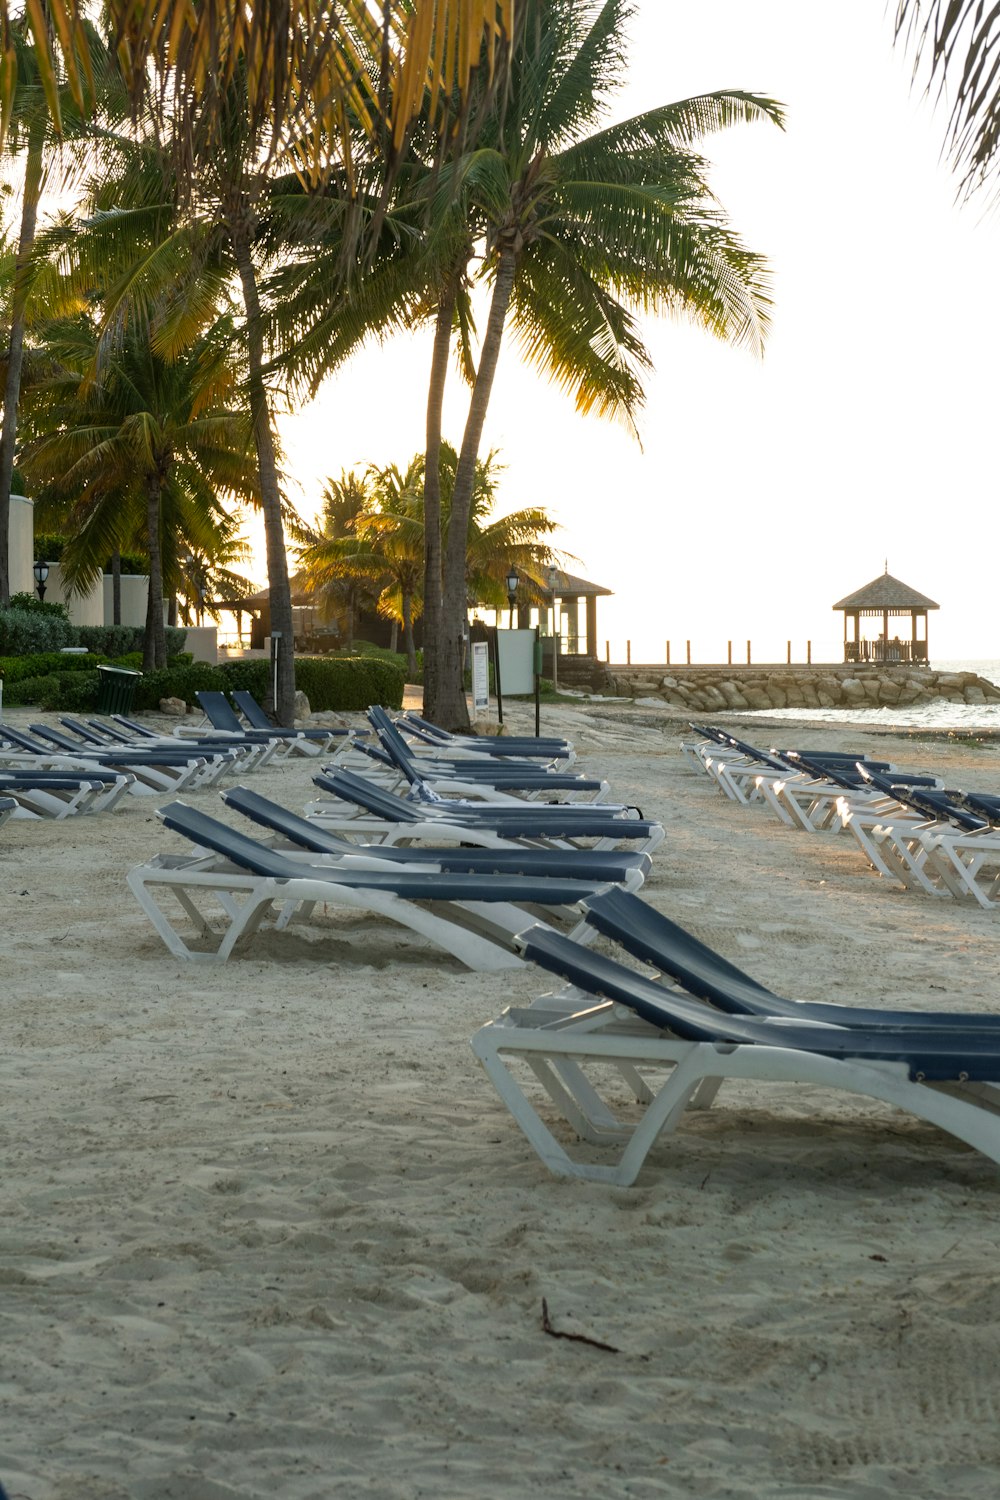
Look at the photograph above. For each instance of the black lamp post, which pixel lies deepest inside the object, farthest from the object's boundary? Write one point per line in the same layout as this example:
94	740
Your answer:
41	572
513	579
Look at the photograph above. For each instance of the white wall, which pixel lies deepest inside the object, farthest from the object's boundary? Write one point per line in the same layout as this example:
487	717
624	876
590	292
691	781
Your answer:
135	597
21	536
203	642
83	609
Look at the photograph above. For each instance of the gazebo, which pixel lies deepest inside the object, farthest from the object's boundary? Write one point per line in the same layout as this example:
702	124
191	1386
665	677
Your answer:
882	601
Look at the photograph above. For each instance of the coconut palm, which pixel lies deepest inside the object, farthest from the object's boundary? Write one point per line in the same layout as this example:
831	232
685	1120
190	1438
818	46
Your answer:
583	229
138	445
383	541
343	503
30	142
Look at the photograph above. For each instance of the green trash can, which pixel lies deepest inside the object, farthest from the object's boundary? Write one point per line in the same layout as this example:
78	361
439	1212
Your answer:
117	690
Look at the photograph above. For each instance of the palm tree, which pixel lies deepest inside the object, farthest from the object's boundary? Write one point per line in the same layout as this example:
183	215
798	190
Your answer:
343	504
952	39
582	229
137	445
236	88
31	138
383	539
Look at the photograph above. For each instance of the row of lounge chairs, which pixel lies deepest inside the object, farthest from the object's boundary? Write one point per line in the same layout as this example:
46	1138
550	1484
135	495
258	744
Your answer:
616	1039
939	841
468	866
88	766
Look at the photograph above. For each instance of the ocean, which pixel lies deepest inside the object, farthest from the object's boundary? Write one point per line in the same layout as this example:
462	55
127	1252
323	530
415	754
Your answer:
939	715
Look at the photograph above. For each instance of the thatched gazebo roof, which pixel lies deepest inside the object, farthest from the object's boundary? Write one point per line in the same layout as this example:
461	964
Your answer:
886	593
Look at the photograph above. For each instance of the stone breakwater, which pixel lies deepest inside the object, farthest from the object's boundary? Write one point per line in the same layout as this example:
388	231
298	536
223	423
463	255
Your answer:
707	689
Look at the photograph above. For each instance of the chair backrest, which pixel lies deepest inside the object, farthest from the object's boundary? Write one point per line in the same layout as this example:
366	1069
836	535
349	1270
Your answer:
23	741
219	711
251	709
279	819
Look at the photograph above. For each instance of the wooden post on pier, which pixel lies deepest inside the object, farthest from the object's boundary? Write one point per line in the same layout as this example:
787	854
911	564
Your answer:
607	652
748	653
689	653
729	653
628	653
809	653
668	653
789	653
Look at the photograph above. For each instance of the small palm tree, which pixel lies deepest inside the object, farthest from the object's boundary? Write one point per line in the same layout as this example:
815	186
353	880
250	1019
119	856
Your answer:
135	444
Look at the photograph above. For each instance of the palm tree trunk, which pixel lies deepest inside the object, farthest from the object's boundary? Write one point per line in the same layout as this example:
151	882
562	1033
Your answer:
411	650
116	587
279	587
432	497
15	358
451	703
154	646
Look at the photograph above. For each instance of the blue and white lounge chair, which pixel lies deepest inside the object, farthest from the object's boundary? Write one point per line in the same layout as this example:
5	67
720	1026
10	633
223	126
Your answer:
39	793
366	811
230	883
324	738
681	1051
7	808
154	771
623	867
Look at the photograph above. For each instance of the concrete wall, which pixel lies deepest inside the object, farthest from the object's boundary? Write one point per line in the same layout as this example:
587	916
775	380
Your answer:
135	597
83	609
203	642
21	536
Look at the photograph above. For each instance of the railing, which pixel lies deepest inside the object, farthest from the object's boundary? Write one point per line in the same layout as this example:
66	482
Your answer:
885	651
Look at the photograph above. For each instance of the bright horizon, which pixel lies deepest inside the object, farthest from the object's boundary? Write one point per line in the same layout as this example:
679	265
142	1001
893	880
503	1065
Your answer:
764	490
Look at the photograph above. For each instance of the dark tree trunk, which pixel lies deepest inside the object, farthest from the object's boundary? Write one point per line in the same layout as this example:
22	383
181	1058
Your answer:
154	647
116	587
432	501
279	588
451	702
15	358
408	642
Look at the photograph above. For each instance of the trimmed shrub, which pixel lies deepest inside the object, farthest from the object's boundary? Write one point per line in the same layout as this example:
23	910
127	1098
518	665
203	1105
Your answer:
349	684
126	640
26	632
176	682
14	668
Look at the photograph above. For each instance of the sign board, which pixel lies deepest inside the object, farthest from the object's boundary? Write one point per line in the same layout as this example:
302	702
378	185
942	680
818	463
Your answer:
516	652
480	677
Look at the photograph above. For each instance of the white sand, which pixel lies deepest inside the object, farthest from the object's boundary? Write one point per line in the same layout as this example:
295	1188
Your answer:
267	1230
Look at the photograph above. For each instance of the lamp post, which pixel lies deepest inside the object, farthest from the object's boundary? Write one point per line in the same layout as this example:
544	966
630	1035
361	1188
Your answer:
41	572
553	579
513	579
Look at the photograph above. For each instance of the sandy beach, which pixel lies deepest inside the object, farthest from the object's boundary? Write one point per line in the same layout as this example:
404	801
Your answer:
268	1230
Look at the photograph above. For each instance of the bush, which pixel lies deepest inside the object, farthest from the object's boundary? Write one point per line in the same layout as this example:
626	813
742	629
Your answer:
71	683
27	631
349	683
126	640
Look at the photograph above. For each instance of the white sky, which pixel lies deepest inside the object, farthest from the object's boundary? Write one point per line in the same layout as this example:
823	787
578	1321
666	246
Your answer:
764	491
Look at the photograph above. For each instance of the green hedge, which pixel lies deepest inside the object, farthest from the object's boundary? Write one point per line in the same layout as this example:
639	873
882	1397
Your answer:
71	683
27	631
123	640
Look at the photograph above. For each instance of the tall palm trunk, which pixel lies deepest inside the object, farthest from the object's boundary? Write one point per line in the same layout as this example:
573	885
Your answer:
452	709
432	499
116	587
279	588
154	646
408	642
33	175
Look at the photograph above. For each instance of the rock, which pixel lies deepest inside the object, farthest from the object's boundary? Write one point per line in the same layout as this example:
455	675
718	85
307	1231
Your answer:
853	690
974	695
650	701
302	709
175	707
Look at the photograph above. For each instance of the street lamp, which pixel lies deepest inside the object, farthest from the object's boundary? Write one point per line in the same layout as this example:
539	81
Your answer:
41	572
513	579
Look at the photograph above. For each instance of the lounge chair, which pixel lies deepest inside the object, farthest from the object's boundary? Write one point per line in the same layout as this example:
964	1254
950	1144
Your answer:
500	746
363	810
617	867
223	722
100	735
256	718
7	808
154	771
683	1050
649	935
486	778
230	883
38	793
